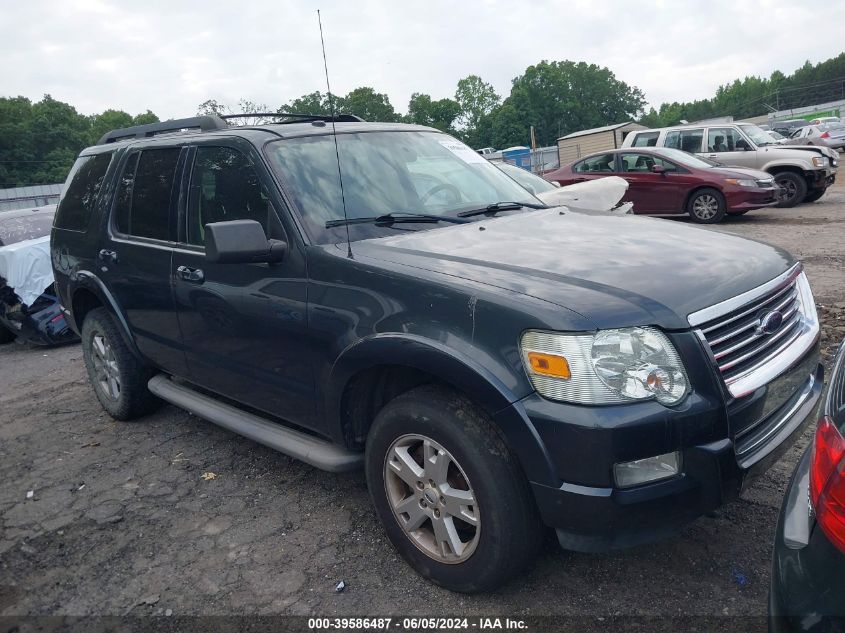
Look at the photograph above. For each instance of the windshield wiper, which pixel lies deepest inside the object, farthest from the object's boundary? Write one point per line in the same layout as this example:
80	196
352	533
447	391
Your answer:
502	206
395	218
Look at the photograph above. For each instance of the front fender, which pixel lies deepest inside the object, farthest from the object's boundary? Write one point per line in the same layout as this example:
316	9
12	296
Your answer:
456	370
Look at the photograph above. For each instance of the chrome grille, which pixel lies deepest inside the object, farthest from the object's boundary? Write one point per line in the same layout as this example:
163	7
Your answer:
738	343
749	346
767	182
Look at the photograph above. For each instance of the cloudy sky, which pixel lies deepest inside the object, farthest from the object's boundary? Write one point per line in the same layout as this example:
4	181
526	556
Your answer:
169	56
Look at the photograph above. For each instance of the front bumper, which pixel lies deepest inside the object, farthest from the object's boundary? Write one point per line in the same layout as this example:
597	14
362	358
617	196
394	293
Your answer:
593	518
47	326
752	199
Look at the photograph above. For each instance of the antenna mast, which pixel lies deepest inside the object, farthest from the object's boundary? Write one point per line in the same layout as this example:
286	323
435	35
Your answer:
334	136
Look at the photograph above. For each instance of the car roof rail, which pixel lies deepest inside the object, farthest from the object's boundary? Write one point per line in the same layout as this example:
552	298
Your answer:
296	117
203	123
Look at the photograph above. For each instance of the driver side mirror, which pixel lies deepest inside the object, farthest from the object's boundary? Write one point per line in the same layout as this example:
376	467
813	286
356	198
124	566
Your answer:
241	242
658	169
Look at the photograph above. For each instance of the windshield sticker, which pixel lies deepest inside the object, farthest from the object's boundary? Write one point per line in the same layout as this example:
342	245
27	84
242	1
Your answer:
463	152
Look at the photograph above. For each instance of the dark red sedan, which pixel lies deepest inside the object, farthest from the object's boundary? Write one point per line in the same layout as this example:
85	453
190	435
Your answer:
669	181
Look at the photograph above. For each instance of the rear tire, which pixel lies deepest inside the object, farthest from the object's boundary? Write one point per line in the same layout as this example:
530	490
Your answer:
6	335
451	495
119	379
795	188
706	206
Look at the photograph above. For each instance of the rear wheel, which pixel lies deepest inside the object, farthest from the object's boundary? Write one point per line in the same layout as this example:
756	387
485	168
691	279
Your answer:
793	188
6	335
118	377
706	206
450	494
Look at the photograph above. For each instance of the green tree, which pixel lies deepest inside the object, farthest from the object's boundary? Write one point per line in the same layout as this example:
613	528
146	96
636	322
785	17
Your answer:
477	99
441	113
312	103
562	97
367	104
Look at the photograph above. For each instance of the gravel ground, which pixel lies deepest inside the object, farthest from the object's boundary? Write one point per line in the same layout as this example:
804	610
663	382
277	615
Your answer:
123	518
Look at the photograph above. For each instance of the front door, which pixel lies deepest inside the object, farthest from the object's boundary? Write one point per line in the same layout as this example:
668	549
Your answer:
243	325
135	260
651	192
729	147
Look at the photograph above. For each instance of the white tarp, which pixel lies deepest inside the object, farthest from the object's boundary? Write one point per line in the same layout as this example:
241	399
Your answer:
27	268
601	194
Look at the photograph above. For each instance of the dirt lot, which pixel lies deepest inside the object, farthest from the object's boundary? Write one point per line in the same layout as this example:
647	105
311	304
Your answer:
121	520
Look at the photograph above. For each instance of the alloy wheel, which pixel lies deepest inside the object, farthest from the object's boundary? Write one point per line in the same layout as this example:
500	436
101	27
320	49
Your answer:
788	190
106	370
705	206
432	498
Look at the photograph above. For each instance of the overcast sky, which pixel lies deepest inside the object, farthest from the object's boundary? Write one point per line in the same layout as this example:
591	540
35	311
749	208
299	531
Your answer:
169	56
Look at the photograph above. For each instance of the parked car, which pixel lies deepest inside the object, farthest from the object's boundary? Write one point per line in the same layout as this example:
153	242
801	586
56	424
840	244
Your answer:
494	365
789	126
29	308
824	119
804	173
669	181
486	150
778	137
808	569
825	134
535	184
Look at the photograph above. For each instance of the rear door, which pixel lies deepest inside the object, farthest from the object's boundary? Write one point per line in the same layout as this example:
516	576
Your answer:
244	326
134	261
651	192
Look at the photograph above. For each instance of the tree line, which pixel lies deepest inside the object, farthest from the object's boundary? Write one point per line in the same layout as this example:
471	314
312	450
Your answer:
40	140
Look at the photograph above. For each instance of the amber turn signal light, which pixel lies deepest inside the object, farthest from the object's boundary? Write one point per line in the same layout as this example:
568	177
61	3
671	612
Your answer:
549	365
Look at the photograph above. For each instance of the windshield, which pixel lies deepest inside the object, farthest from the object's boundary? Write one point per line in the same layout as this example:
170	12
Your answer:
685	158
16	227
386	172
526	179
758	136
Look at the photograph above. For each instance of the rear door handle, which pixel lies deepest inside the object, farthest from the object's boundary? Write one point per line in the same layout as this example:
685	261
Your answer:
108	256
194	275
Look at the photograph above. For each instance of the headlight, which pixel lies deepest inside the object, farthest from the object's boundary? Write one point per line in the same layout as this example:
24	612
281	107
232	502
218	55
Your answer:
819	161
608	367
741	182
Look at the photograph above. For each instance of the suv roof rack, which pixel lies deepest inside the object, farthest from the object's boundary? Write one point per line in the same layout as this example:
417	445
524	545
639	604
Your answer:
201	123
297	118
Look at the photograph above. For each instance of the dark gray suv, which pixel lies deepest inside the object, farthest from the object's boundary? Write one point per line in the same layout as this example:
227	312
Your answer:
384	297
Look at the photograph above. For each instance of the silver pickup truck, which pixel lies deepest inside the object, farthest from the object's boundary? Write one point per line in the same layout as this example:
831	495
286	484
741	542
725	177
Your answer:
803	173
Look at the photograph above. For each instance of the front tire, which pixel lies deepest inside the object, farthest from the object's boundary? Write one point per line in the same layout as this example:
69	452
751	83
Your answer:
119	379
794	189
451	495
706	206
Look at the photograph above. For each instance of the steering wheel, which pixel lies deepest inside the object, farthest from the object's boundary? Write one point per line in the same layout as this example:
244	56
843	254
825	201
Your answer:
441	187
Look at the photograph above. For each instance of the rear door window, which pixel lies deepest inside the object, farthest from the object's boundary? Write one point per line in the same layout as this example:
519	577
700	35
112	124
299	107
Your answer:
646	139
686	140
642	163
144	194
594	164
80	197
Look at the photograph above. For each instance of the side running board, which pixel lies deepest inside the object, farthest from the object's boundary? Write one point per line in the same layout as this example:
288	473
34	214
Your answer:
318	453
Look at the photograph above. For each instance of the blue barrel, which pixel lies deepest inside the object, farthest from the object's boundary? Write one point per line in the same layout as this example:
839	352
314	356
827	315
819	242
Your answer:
520	157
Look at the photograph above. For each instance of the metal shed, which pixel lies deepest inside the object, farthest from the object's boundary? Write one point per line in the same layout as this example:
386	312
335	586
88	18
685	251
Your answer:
34	196
573	146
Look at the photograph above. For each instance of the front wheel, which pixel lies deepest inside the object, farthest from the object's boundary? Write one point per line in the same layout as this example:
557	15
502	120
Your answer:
119	379
793	188
706	206
450	494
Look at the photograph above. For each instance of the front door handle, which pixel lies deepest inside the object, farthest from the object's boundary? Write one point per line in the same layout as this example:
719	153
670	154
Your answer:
107	256
194	275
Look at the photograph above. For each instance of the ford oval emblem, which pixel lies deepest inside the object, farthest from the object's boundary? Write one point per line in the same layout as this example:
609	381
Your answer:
770	322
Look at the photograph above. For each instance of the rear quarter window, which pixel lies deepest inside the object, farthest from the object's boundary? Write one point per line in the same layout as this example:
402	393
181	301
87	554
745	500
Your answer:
80	197
645	139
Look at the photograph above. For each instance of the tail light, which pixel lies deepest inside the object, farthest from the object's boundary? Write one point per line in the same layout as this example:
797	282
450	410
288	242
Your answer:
827	481
825	135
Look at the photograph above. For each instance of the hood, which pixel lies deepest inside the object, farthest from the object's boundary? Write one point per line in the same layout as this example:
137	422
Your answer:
729	171
614	270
